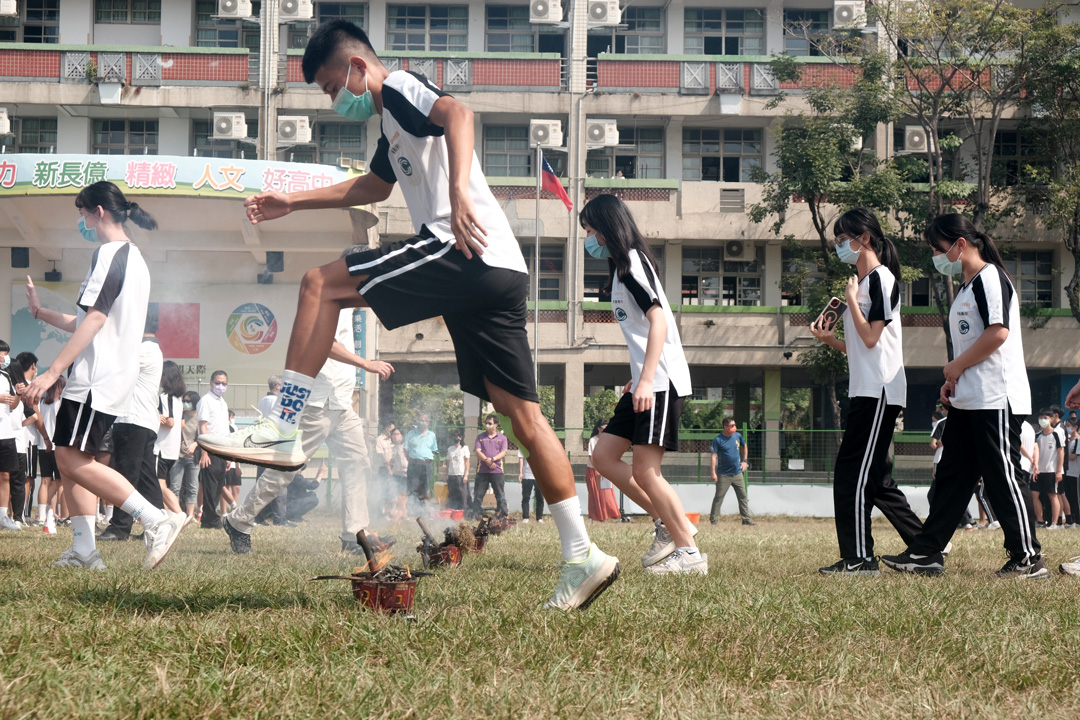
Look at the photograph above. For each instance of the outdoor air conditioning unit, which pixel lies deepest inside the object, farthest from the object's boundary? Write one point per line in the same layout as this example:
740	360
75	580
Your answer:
293	130
848	14
234	8
602	132
545	11
5	124
916	140
909	8
545	133
295	9
738	251
230	126
8	8
604	12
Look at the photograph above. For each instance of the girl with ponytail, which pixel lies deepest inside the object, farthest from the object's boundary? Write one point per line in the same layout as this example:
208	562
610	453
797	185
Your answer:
986	386
878	391
102	363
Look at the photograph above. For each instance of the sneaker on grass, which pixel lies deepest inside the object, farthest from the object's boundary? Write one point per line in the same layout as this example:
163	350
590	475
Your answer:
240	542
164	537
857	566
259	444
1070	568
582	581
70	558
1024	570
8	524
680	563
662	545
918	564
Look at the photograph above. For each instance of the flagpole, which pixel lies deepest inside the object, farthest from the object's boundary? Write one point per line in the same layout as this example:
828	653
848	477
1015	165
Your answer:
536	272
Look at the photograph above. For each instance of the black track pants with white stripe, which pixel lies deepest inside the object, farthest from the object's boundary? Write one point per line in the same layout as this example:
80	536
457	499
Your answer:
986	443
862	480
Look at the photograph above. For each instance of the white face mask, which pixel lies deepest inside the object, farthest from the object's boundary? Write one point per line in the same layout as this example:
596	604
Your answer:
1044	422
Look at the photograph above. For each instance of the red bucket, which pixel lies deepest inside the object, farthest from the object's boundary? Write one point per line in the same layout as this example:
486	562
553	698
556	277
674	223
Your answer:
448	556
392	597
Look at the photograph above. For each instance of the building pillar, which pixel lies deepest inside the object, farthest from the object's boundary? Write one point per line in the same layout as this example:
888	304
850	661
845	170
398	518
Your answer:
174	136
673	149
774	271
676	17
477	41
77	22
72	134
774	27
673	271
741	410
771	408
177	23
570	413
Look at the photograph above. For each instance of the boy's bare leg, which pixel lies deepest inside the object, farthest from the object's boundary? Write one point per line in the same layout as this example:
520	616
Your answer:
324	292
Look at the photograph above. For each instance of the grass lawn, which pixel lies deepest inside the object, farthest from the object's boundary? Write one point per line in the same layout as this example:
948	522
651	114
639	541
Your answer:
215	635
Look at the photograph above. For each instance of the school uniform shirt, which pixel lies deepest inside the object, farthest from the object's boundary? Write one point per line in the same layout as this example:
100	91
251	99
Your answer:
18	431
630	300
118	284
1027	441
333	387
880	368
1048	446
412	153
456	455
48	419
937	432
1000	381
167	445
1072	467
145	396
7	432
526	471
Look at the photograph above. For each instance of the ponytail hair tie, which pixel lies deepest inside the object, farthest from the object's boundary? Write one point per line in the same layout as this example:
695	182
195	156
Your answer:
129	205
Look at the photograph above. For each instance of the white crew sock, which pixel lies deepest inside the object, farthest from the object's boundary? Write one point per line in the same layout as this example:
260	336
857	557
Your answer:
291	401
139	508
572	533
83	528
108	514
40	513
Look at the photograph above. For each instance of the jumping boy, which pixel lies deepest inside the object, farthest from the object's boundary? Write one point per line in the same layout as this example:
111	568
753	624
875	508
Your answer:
464	264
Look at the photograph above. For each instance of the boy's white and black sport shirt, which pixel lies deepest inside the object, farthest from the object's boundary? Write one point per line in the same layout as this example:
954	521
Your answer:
630	300
1000	381
880	368
412	153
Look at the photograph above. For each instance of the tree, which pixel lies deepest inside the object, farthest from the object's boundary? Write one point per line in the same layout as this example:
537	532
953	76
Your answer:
599	408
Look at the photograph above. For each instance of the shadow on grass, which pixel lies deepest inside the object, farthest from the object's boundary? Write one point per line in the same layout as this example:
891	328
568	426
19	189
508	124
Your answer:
197	601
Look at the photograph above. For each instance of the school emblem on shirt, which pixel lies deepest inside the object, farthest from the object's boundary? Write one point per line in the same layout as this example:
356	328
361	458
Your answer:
251	328
965	327
620	314
406	166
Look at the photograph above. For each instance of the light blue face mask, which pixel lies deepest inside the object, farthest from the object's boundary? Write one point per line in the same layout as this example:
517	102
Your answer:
87	233
350	106
594	248
846	254
944	265
7	361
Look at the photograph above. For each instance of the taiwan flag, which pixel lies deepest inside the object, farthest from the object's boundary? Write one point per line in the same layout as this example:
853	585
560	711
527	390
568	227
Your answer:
551	183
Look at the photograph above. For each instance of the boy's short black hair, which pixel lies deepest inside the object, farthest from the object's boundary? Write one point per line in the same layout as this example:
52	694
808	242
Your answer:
26	359
1056	410
324	43
4	347
1046	412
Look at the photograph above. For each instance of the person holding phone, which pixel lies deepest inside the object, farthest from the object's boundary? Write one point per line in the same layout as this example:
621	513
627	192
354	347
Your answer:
877	388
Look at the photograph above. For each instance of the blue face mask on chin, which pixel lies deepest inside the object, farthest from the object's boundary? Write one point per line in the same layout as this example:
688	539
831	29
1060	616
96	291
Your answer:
350	106
89	234
594	248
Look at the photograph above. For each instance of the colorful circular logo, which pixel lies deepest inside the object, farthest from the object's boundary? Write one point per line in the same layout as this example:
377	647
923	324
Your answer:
251	328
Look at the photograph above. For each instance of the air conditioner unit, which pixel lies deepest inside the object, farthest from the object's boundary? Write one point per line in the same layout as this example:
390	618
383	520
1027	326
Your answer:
234	8
602	132
545	133
739	251
847	14
293	130
545	11
5	124
8	8
916	140
295	9
909	8
230	126
604	12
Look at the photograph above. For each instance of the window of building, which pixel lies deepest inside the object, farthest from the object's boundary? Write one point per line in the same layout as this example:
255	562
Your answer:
1033	276
644	33
129	11
206	146
640	154
506	151
707	279
331	141
1014	150
38	21
509	29
354	12
213	31
125	137
595	273
551	269
723	31
36	135
438	28
918	293
803	30
727	155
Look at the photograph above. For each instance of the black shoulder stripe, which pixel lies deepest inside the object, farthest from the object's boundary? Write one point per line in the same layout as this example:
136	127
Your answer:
877	299
978	291
114	281
380	163
1007	296
642	296
408	115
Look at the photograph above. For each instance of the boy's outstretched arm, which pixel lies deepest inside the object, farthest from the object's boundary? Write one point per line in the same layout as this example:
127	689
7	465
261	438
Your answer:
360	190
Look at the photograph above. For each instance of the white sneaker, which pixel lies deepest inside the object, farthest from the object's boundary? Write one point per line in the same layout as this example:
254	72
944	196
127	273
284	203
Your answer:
525	521
680	563
993	526
1070	568
662	545
582	582
540	520
70	558
164	536
7	523
947	550
259	444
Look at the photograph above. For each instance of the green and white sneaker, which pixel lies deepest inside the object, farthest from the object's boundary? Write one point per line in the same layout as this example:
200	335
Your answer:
259	444
70	558
582	581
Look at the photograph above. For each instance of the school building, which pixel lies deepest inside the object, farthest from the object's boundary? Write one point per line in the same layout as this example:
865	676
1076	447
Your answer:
685	84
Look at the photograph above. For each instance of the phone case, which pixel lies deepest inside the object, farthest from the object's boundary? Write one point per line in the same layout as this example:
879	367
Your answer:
832	313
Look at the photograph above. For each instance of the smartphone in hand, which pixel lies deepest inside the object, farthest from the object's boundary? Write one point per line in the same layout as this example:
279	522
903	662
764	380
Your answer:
831	314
